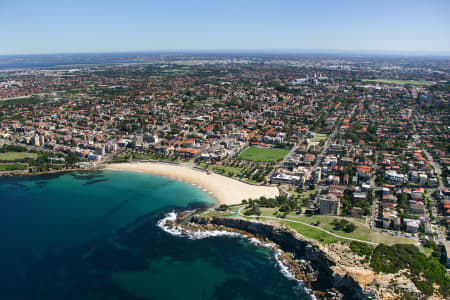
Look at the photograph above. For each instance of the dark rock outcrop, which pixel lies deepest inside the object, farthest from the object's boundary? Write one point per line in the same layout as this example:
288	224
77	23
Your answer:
327	282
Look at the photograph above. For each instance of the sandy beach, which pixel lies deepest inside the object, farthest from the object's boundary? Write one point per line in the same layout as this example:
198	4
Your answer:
224	189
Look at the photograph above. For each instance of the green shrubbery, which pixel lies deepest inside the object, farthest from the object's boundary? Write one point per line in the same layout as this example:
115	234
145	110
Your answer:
254	210
361	249
343	225
12	148
424	270
222	207
12	167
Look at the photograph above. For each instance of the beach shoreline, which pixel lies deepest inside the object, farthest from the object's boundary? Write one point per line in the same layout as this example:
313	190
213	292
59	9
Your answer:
224	189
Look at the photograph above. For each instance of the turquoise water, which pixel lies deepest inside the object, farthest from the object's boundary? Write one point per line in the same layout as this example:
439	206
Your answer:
94	236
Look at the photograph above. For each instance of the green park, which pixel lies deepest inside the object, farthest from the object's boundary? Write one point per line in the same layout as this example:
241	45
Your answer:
263	154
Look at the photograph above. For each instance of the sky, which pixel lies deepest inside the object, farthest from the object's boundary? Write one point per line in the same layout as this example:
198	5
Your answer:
61	26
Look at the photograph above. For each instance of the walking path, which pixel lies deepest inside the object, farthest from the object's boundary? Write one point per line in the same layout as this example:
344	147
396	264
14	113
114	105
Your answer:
312	226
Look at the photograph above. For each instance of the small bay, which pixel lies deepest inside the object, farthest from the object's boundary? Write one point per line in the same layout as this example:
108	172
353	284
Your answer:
93	235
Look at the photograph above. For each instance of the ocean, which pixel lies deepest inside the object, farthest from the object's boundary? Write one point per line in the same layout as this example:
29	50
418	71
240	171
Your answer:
94	235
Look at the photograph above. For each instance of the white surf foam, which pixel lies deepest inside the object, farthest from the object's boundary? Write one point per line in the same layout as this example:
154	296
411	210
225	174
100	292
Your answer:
290	275
193	235
284	268
198	235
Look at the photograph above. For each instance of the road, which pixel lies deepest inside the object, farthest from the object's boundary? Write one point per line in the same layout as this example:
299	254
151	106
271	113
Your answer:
436	166
327	144
374	188
275	168
375	204
330	139
434	211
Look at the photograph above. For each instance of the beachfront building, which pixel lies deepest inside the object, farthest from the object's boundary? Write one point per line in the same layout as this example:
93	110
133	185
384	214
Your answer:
283	178
93	156
188	152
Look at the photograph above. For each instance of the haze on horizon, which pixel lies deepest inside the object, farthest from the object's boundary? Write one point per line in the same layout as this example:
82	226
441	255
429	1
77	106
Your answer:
50	26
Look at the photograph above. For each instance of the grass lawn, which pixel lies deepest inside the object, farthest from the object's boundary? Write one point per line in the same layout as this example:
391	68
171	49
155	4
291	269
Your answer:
362	231
12	167
319	137
426	251
312	233
151	156
207	101
234	171
263	154
251	181
307	231
303	195
227	170
13	156
401	82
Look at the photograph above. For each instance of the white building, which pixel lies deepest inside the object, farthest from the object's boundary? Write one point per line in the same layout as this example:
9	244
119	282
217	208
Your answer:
333	179
35	140
92	156
412	225
395	177
42	140
282	178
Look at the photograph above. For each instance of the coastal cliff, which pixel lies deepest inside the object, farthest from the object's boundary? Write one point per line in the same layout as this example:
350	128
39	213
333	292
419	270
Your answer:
323	280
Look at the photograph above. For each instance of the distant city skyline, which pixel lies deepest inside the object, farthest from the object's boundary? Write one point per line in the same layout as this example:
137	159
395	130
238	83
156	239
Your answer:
48	26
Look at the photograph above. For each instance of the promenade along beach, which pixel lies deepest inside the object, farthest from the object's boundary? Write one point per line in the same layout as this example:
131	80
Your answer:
226	190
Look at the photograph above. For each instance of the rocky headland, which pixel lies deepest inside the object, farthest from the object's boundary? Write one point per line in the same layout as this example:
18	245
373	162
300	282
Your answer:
299	257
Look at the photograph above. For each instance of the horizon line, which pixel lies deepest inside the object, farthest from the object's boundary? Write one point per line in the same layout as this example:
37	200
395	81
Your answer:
256	50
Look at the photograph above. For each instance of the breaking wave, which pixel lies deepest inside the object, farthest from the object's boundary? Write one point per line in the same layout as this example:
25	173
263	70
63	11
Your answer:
193	235
199	235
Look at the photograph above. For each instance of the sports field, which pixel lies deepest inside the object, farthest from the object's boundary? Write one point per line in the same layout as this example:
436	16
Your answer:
13	156
263	154
319	137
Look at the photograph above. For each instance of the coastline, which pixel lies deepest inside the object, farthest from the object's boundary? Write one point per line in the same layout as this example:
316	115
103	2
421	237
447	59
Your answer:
224	189
21	173
298	257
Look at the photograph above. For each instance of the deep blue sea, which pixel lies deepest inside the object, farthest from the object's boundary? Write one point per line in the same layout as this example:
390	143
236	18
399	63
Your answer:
93	235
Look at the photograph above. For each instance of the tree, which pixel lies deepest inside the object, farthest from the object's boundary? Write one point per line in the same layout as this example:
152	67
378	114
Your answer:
254	210
222	207
343	225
